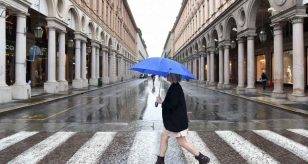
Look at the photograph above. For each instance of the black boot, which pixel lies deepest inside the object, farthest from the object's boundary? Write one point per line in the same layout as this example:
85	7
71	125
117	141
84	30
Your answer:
160	160
202	159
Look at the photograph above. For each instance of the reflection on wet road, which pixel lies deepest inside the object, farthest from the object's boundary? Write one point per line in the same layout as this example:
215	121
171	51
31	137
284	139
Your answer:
133	102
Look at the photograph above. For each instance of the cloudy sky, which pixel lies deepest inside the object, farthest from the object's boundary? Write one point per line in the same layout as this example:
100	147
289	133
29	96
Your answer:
155	18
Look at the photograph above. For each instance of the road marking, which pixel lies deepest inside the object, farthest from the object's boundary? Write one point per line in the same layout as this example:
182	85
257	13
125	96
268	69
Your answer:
302	132
296	148
196	141
91	151
40	150
15	138
247	150
145	148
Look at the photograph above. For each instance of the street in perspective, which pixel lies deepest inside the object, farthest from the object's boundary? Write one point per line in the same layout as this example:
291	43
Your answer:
140	82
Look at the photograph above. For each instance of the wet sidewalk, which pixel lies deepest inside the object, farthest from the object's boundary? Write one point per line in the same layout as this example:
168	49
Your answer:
39	97
264	96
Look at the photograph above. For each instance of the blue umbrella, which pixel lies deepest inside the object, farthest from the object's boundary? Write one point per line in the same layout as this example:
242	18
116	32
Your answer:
163	67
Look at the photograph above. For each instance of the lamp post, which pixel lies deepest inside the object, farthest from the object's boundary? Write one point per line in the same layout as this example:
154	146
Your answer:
38	32
262	36
233	44
70	43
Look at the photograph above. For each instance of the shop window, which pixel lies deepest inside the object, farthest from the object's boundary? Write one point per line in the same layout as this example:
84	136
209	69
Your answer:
261	66
288	67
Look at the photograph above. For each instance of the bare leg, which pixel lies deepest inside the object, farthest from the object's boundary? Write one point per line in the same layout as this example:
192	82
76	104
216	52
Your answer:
183	142
163	144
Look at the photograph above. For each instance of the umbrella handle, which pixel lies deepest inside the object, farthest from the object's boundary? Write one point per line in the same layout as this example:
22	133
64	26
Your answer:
156	103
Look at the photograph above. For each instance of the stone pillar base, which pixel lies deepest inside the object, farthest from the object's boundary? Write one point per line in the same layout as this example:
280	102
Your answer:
297	98
5	94
207	83
85	83
112	79
220	86
240	90
279	95
251	90
63	86
227	86
105	80
77	84
21	92
51	87
93	82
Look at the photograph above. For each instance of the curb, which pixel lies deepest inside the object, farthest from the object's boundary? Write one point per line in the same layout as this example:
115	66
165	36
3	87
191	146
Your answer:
290	109
12	109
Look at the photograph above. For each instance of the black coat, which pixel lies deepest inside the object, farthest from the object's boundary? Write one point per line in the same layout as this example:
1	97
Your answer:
174	109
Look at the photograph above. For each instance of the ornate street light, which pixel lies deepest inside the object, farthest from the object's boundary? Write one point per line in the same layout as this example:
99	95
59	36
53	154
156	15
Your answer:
262	36
70	43
89	49
38	32
233	44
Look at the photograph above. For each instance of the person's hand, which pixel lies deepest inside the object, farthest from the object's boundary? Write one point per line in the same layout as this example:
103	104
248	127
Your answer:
158	100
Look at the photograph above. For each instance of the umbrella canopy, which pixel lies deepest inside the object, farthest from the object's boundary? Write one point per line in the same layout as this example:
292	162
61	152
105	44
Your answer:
163	67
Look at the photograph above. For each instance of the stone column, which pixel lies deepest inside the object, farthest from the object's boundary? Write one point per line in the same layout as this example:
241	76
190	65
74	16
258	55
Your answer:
278	60
21	89
298	93
122	69
113	67
93	79
241	80
51	86
208	63
221	68
212	69
105	66
85	82
211	7
251	70
5	90
226	67
63	84
194	62
202	67
77	82
97	63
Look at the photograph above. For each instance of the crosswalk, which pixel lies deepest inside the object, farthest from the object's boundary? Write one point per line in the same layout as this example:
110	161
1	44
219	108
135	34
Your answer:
141	147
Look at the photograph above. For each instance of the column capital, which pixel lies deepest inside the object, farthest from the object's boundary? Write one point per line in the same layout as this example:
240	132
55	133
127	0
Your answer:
251	37
240	40
277	28
56	23
80	36
297	19
94	43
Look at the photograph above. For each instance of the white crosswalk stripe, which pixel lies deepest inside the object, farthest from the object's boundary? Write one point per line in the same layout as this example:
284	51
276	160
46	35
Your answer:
13	139
91	151
196	141
294	147
247	150
145	147
40	150
302	132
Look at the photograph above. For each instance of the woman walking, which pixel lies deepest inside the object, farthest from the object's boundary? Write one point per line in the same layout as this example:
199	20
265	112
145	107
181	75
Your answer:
176	121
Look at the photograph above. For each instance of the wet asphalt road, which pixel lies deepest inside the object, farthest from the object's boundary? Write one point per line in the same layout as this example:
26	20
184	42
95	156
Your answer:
121	125
132	104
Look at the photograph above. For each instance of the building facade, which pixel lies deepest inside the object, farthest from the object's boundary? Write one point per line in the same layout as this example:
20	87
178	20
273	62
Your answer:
141	47
169	47
57	43
234	41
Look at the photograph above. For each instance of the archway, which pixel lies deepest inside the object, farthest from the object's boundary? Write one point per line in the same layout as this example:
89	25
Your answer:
231	36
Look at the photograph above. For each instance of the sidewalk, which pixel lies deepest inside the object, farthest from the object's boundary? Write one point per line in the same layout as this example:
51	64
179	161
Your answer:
39	97
265	98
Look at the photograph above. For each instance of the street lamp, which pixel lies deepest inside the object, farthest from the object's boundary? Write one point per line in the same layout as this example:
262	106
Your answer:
70	43
233	44
262	36
38	32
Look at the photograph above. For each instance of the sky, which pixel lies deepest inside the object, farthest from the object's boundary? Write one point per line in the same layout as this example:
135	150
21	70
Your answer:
155	18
